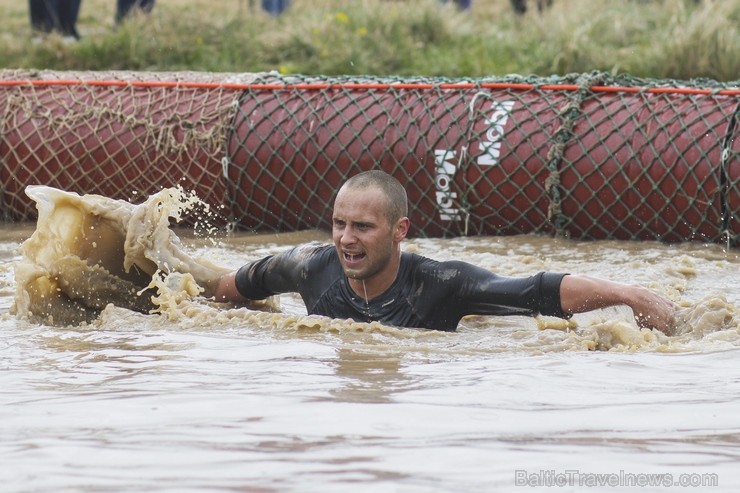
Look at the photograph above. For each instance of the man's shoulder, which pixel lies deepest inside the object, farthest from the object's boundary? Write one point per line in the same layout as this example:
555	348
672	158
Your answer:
415	265
321	249
424	266
302	256
416	260
309	249
422	262
314	252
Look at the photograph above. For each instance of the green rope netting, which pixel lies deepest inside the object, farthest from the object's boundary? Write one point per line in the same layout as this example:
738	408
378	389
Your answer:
585	155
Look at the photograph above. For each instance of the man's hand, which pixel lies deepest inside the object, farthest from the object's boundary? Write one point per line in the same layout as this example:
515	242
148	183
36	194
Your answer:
652	311
580	294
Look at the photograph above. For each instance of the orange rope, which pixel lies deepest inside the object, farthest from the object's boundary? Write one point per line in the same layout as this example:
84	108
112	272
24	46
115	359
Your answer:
367	86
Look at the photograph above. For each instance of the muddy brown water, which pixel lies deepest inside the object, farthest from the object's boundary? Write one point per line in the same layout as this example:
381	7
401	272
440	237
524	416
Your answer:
199	397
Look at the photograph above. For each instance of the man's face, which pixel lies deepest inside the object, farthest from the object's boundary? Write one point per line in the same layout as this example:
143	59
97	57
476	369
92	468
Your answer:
362	234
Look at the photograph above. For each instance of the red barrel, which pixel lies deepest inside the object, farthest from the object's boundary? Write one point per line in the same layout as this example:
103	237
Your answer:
646	168
732	181
291	150
484	157
124	142
505	176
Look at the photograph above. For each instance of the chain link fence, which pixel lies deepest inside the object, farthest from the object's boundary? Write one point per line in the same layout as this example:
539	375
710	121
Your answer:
587	156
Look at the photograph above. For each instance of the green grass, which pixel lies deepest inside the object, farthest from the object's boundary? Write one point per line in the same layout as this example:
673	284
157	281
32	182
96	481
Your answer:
673	39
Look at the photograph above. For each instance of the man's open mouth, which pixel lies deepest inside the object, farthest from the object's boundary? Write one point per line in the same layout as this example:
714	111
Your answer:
352	258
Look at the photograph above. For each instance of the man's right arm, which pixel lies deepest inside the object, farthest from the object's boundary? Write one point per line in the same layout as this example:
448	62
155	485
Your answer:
225	290
258	280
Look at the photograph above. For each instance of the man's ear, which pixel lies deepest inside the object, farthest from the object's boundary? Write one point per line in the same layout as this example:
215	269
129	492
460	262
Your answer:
401	229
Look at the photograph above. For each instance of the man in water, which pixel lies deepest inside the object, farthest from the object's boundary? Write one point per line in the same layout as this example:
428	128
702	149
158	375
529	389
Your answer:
366	277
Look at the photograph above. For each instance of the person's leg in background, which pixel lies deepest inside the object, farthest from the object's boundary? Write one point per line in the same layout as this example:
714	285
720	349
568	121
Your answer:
69	11
42	15
275	7
461	4
124	8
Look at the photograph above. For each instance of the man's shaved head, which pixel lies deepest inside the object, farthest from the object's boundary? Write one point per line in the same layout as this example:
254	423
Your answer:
396	200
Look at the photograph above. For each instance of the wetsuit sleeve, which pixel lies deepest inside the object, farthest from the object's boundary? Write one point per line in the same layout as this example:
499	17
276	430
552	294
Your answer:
281	273
482	292
249	280
548	293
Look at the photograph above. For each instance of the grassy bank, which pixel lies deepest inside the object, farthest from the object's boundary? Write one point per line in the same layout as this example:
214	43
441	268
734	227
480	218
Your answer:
656	39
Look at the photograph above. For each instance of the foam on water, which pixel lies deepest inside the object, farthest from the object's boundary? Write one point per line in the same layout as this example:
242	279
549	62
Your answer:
90	256
133	380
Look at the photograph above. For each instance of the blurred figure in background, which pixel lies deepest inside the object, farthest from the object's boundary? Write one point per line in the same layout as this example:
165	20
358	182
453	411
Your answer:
275	7
55	15
461	4
124	8
520	6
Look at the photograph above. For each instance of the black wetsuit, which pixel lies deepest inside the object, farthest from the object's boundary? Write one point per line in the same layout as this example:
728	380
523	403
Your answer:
426	293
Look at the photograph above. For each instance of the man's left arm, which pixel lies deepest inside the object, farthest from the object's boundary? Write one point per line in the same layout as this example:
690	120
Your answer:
580	294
